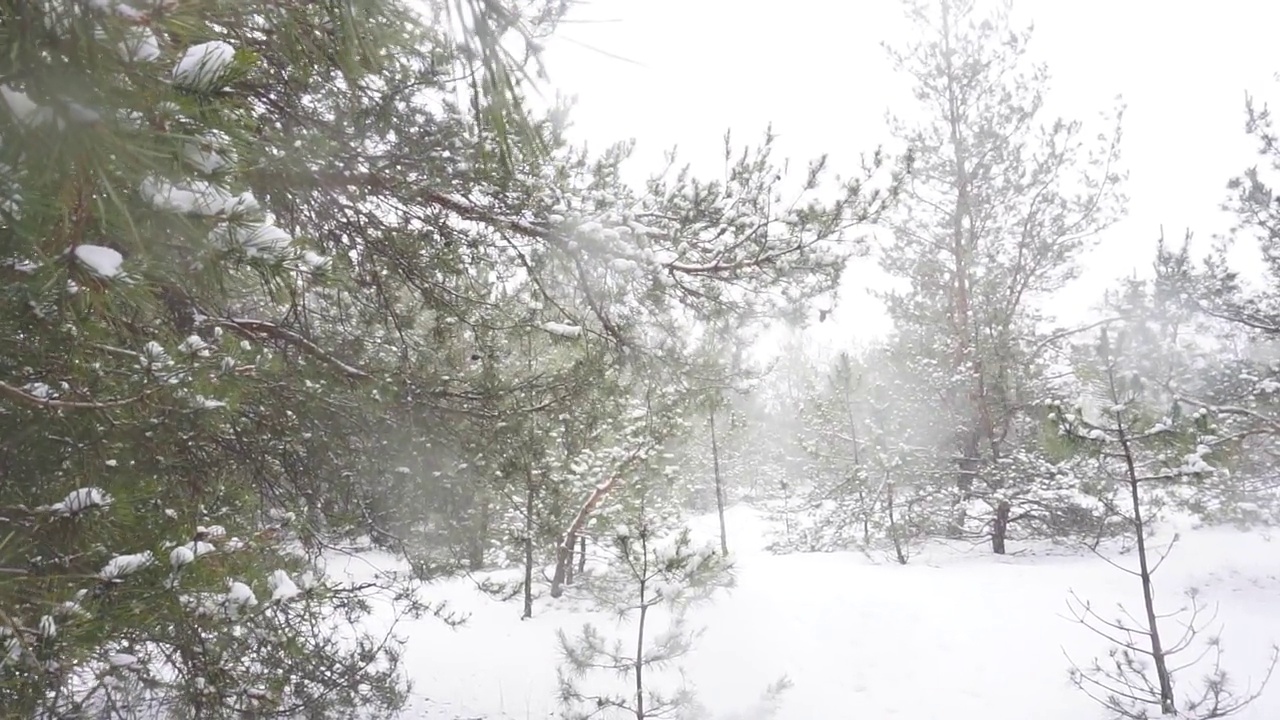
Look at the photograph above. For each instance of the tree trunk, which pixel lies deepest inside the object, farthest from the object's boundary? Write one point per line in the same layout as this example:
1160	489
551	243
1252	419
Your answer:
786	509
895	535
564	556
1163	677
715	460
644	612
967	473
569	567
478	535
528	546
1000	528
564	550
960	290
866	518
582	555
639	661
857	465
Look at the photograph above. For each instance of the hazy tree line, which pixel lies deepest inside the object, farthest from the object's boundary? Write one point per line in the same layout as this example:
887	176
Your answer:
285	279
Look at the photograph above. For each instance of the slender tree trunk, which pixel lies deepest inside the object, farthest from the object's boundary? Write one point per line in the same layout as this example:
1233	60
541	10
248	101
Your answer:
715	460
786	509
479	533
564	555
987	425
569	566
866	518
1163	676
564	549
644	613
639	661
967	472
1000	528
528	544
960	300
857	466
895	535
582	555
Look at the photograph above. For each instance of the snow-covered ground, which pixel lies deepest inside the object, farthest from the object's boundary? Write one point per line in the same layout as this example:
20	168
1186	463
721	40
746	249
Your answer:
953	635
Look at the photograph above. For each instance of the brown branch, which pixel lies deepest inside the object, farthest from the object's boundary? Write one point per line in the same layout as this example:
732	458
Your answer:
1270	423
1059	335
252	329
22	396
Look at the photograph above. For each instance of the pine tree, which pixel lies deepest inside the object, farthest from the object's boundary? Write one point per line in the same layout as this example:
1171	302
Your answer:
180	433
1000	203
1243	322
873	475
652	574
1147	444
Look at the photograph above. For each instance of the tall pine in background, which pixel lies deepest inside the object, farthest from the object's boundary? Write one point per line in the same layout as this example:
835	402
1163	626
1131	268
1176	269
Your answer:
1001	202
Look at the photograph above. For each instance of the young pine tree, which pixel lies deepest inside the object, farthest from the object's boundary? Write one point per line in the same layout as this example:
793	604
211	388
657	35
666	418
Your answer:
1147	444
653	582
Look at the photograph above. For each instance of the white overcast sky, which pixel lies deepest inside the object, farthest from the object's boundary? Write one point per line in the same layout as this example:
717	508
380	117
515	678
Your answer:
687	70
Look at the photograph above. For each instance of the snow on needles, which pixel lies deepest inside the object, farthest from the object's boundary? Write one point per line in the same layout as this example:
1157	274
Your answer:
101	261
122	660
140	46
562	329
282	586
81	499
123	9
239	597
203	66
181	557
24	109
122	566
196	197
265	240
212	153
